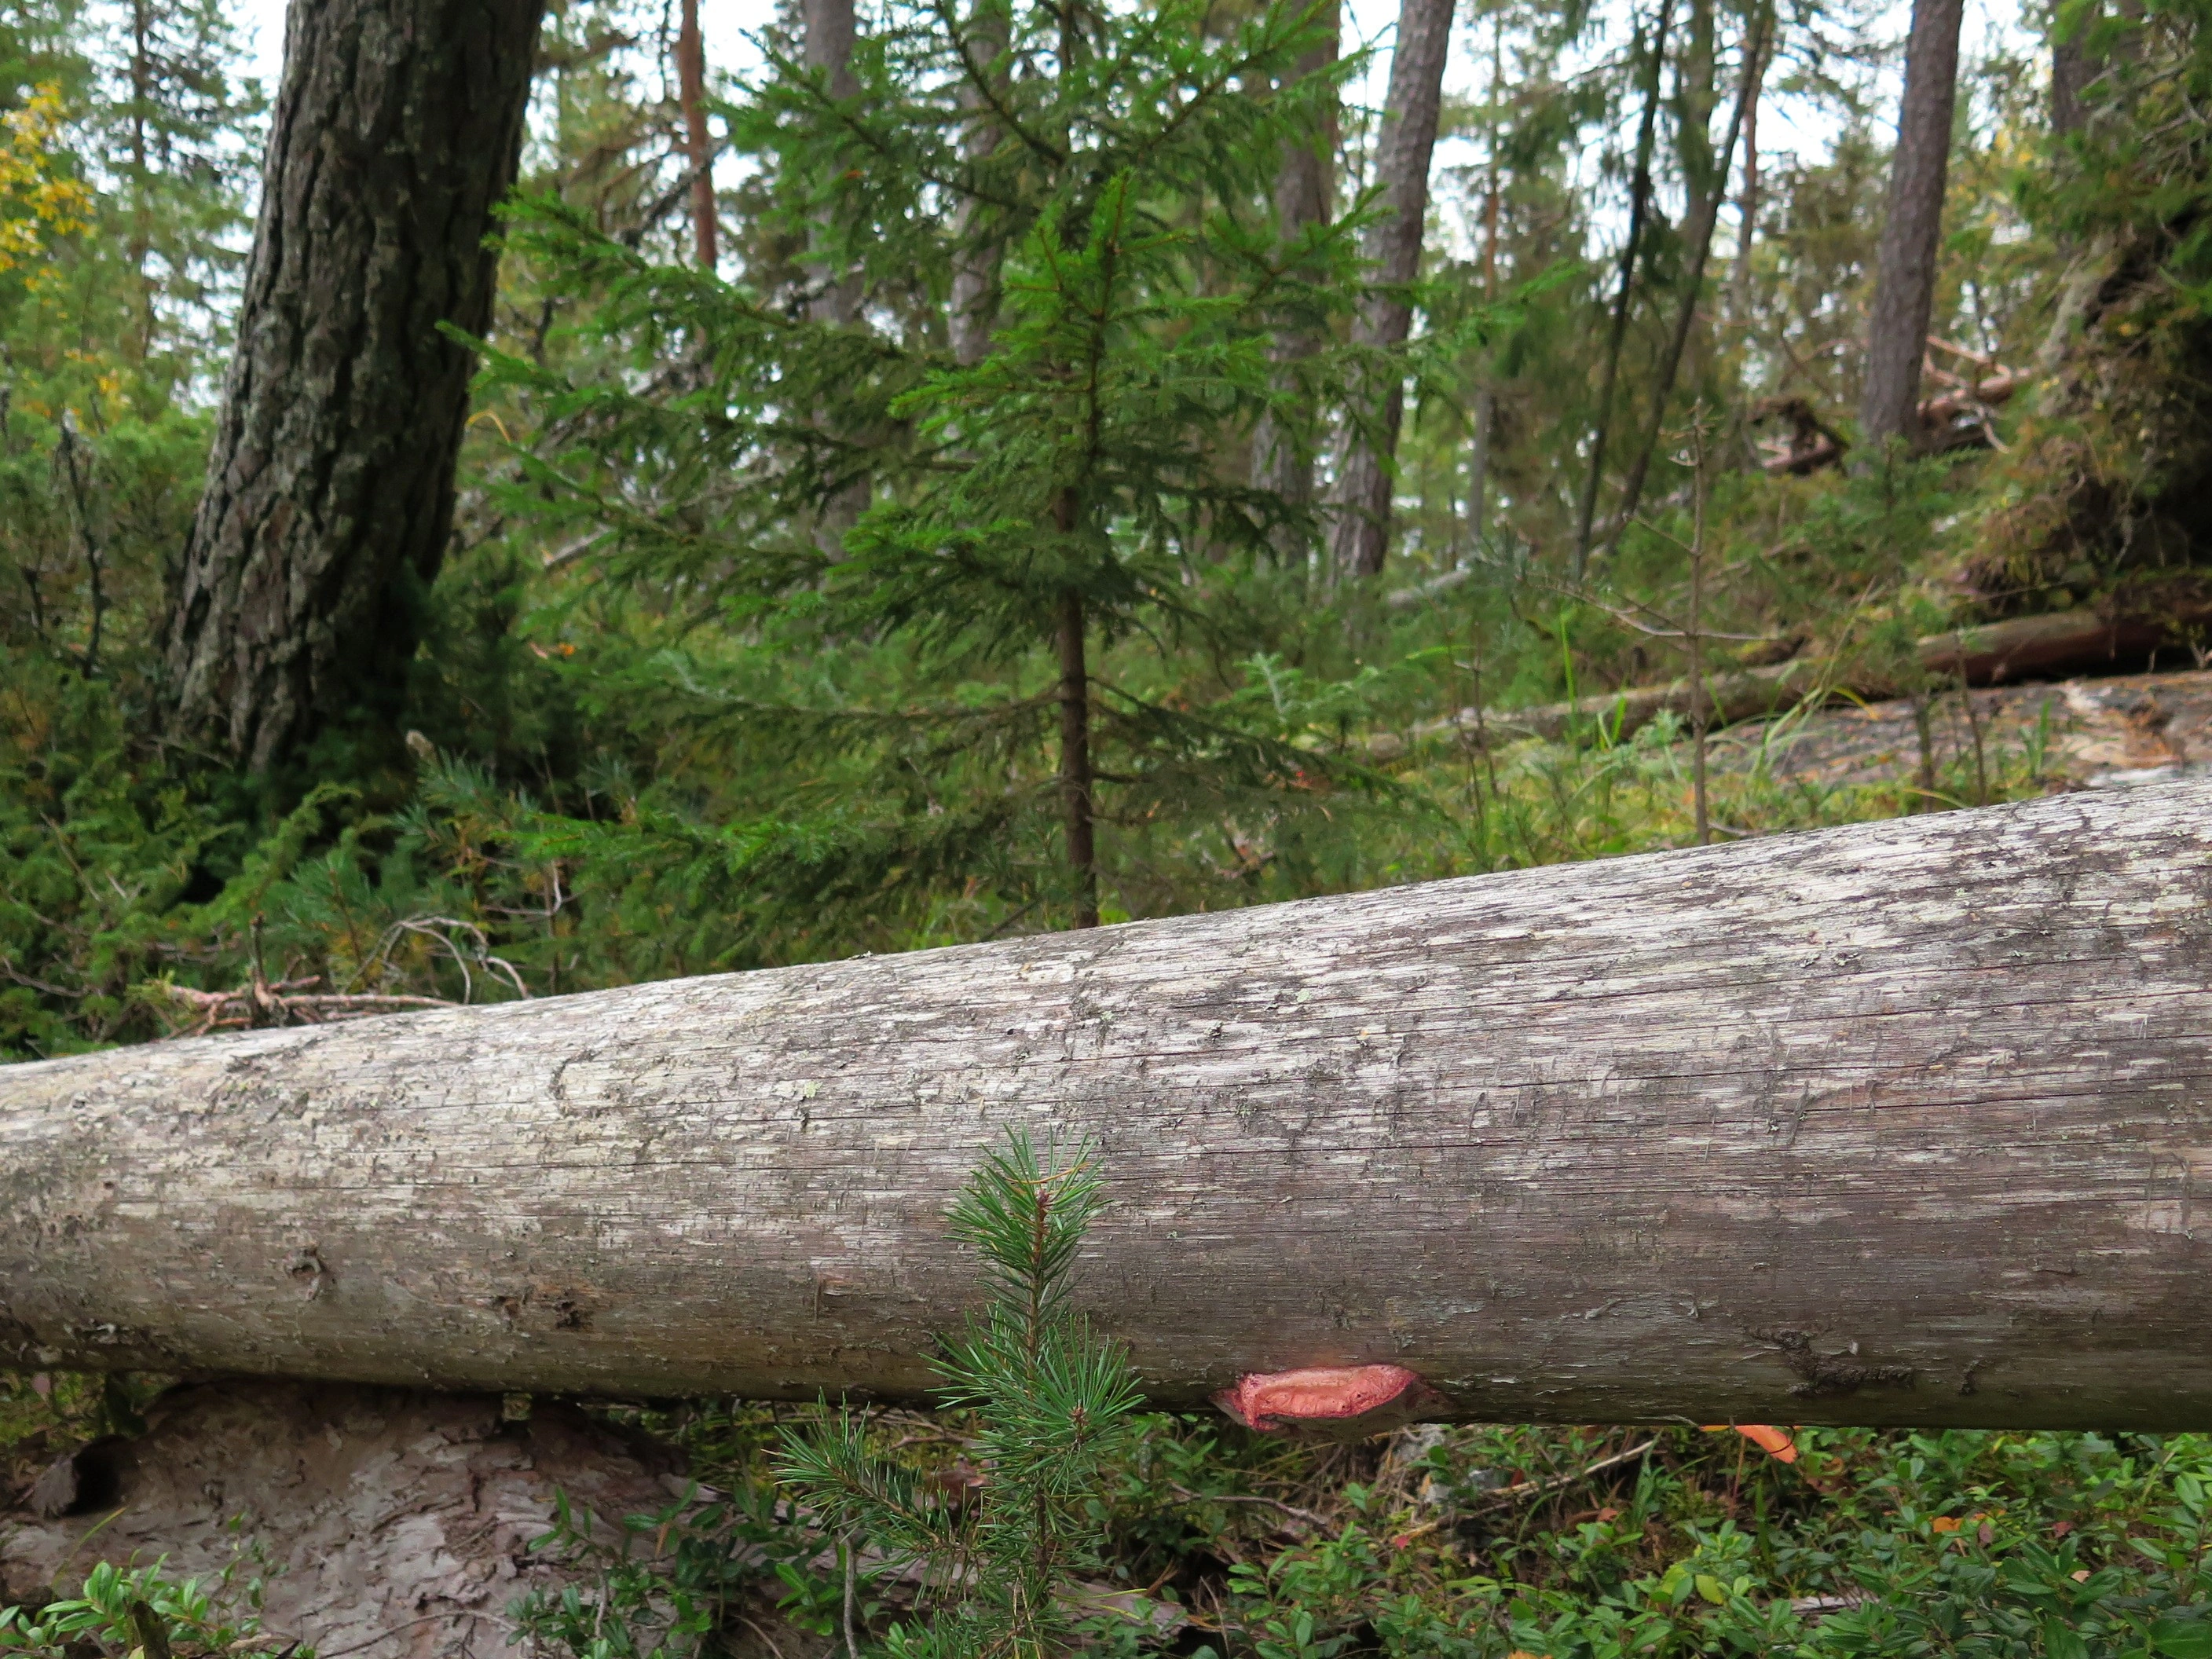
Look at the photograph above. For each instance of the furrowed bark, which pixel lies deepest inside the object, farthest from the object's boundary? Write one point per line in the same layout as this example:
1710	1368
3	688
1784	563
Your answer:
329	489
1402	153
1912	228
1905	1122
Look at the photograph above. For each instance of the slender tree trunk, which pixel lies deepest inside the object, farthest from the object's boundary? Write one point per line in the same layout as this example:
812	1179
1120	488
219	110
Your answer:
1076	779
830	31
2072	69
1896	1122
2076	60
1639	202
329	489
1402	150
978	251
1705	214
1697	82
698	148
1747	213
1486	396
1282	453
1911	233
835	296
142	170
1477	467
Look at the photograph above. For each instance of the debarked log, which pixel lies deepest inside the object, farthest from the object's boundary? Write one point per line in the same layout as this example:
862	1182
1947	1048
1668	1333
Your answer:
1900	1123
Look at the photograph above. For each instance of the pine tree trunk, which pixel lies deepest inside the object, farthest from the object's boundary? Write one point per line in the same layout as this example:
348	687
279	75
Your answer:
831	29
329	489
977	251
1912	232
1899	1122
1077	780
1283	457
2071	72
1402	150
836	294
698	148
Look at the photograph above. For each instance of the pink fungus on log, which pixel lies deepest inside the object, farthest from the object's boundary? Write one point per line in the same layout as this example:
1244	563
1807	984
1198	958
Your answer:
1337	1399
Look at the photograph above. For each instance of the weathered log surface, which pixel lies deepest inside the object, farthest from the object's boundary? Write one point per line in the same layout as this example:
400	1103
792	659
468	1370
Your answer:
1908	1122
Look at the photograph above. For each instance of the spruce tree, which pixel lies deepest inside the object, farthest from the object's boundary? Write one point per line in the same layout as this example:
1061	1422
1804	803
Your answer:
1076	483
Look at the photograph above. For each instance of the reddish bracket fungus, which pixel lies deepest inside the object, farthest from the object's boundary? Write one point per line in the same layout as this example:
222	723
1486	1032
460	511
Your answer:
1345	1400
1776	1442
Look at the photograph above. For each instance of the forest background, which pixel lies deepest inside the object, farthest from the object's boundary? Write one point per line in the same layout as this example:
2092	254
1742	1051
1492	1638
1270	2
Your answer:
1050	487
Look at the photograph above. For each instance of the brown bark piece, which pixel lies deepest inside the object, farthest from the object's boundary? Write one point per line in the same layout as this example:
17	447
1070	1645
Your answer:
330	487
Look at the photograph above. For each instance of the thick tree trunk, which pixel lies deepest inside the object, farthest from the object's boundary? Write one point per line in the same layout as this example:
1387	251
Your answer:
1903	1122
1282	455
329	491
1912	231
1402	150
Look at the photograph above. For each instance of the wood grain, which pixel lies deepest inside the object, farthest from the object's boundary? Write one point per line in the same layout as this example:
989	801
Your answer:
1899	1123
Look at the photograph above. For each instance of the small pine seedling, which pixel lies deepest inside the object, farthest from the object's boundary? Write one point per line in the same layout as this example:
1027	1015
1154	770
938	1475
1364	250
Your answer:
1051	1403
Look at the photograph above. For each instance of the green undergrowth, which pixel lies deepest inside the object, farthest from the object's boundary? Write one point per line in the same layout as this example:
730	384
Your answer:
122	882
1472	1540
1479	1541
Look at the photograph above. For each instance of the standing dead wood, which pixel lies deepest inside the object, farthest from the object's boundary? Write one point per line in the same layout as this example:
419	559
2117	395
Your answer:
1895	1123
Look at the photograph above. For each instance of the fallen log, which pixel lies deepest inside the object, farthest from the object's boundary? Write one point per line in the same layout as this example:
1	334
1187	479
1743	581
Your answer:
1901	1124
1989	654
